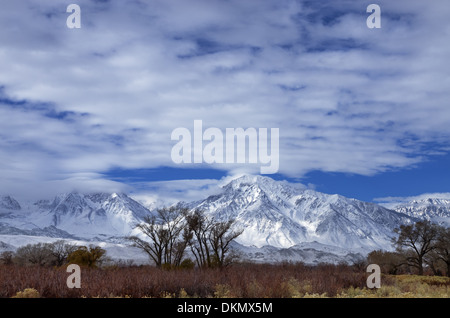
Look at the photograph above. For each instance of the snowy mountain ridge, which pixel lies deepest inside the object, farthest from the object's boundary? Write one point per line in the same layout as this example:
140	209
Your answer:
431	209
280	220
277	214
79	215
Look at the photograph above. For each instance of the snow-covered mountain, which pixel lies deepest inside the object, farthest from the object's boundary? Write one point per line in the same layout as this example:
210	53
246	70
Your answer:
308	253
73	215
8	203
280	220
280	214
430	209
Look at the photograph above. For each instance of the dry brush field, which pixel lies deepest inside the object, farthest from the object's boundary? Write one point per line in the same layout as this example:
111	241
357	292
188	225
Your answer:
239	281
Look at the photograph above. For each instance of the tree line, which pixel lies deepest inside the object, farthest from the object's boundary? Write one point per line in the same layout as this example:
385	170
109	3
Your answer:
417	247
55	254
167	238
177	237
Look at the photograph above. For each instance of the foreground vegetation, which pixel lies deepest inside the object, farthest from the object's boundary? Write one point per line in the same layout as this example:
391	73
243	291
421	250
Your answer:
40	270
240	280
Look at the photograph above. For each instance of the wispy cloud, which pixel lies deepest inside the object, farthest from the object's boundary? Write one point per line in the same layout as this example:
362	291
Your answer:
392	202
164	193
346	98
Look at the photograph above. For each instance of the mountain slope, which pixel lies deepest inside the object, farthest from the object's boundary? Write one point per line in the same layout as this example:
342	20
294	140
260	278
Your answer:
280	220
73	214
430	209
282	215
9	203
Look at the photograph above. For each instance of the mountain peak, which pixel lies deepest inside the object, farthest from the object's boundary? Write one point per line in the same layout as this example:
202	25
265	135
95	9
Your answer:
432	209
266	184
283	214
7	202
249	179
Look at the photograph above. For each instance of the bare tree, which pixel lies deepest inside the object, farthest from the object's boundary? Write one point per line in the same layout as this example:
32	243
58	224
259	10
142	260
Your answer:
199	226
173	229
442	250
34	254
6	257
60	251
419	239
390	262
210	240
166	245
154	248
221	235
172	221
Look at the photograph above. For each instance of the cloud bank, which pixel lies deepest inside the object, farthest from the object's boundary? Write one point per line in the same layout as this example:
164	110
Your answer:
76	103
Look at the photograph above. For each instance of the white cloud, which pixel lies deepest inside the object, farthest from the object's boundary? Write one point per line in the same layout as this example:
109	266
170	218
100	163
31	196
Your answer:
392	202
345	98
165	193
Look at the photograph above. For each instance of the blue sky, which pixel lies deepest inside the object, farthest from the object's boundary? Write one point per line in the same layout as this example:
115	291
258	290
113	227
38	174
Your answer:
361	112
427	177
